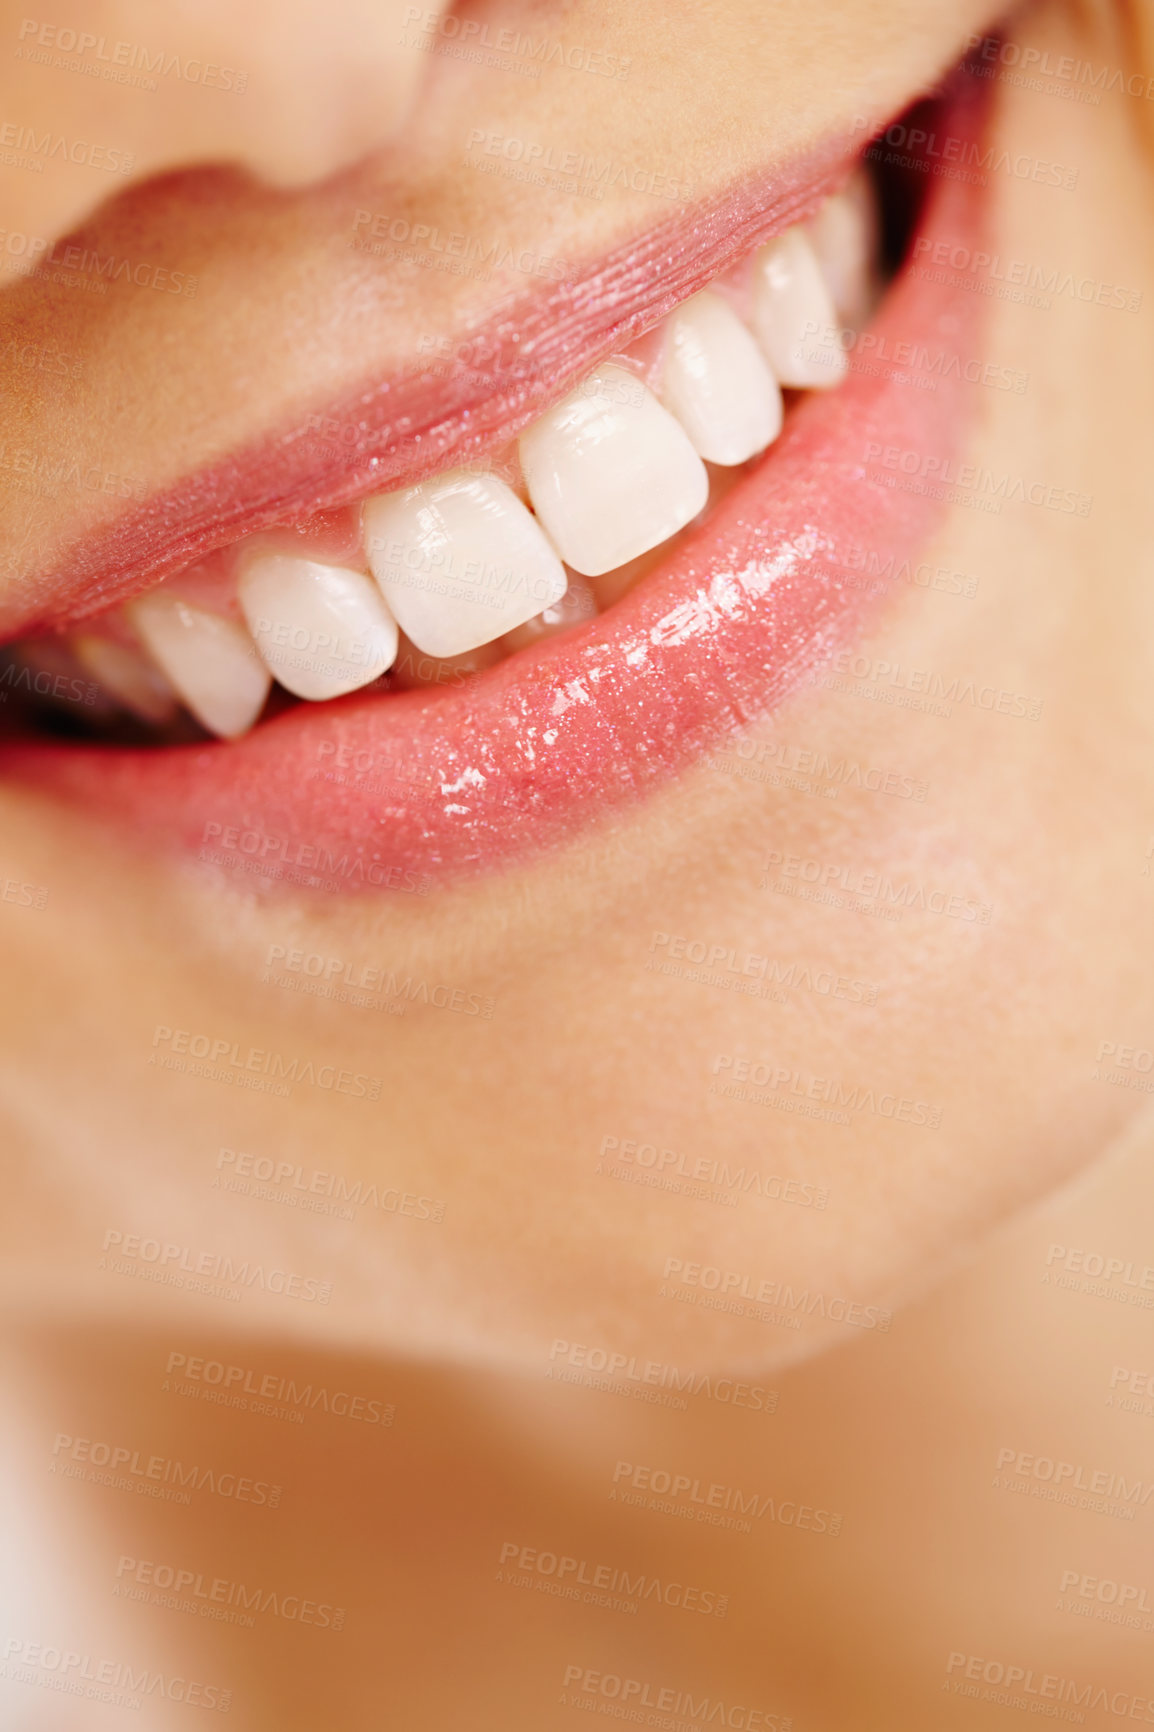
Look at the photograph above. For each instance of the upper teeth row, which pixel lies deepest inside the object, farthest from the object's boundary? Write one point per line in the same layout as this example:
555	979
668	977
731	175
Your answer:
460	560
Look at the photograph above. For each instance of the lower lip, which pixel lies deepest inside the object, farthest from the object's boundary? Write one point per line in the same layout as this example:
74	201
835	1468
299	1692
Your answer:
394	792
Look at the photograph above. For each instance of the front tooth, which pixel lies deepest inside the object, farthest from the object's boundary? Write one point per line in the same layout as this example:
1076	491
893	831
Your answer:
715	380
611	473
128	676
320	629
460	560
576	607
210	661
844	233
794	315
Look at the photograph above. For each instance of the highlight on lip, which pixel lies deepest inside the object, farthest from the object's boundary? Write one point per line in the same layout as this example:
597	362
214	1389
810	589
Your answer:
601	692
526	545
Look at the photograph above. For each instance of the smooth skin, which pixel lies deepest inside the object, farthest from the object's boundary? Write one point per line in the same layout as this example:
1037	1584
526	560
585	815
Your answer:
502	1119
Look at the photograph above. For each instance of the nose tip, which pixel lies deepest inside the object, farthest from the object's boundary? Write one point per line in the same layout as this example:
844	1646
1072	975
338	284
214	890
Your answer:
325	94
292	91
323	139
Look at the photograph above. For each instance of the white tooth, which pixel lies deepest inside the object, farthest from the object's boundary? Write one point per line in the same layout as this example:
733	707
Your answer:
715	380
127	675
210	661
320	629
794	315
461	561
576	606
844	236
611	473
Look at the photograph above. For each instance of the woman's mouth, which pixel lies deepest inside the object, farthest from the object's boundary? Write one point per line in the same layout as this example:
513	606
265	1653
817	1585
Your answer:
495	600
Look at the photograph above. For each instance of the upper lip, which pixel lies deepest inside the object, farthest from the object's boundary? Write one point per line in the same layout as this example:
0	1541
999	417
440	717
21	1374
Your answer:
369	792
401	428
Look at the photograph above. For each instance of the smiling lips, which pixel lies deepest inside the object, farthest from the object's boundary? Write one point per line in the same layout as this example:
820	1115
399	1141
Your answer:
755	587
463	560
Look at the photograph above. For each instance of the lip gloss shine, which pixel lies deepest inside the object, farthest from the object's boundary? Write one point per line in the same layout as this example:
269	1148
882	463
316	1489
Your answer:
528	754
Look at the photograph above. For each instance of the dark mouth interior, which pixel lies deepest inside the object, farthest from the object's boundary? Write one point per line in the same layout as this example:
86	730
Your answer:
47	706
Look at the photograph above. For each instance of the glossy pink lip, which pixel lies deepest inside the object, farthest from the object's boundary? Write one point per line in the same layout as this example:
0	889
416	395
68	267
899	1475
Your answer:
373	791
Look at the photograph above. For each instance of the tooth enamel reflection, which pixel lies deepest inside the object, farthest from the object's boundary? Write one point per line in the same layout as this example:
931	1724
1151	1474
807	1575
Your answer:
610	472
460	561
210	661
844	236
793	312
320	629
715	380
128	676
576	606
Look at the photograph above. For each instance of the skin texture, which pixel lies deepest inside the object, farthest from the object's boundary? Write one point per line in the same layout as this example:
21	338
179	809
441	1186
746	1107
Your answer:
502	1119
